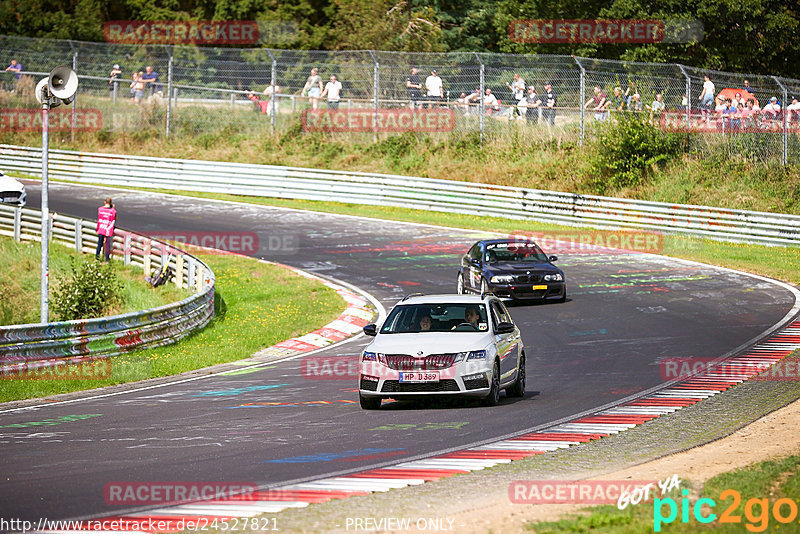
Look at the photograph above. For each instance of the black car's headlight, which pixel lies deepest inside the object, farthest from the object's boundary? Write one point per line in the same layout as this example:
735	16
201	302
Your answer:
553	277
502	279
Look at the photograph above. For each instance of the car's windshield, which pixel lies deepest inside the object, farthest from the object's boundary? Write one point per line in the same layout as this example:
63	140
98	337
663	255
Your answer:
515	251
420	318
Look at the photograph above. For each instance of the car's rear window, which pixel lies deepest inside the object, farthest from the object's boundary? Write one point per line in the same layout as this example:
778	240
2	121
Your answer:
420	318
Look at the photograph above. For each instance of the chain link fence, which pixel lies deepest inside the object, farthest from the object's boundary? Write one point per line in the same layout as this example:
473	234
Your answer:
254	91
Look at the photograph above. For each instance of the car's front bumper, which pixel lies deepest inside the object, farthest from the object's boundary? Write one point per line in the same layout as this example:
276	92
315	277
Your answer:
377	380
543	291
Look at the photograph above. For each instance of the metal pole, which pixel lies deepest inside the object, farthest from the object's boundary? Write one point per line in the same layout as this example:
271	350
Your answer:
688	106
273	97
785	117
169	91
376	78
481	111
75	99
44	315
582	101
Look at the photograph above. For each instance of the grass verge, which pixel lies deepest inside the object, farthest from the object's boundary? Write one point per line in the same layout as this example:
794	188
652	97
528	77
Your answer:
20	264
745	501
257	305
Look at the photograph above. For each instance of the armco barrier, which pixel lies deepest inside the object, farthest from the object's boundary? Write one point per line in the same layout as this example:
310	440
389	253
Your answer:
403	191
73	341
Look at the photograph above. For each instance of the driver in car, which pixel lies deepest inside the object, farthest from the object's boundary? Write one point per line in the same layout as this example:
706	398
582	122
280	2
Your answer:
471	316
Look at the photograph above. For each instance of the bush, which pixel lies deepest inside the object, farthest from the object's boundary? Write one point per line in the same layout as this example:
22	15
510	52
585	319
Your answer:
92	289
626	148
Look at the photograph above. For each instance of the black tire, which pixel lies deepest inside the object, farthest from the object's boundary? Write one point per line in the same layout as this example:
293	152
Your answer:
564	296
493	398
369	403
460	283
518	389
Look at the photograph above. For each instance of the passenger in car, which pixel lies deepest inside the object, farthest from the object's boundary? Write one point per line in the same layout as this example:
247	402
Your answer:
425	323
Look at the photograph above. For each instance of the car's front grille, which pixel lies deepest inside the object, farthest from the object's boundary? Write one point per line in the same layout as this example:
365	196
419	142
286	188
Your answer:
406	362
527	278
393	386
369	385
476	383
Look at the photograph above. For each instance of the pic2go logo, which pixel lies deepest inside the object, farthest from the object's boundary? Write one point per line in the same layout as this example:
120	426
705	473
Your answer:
756	511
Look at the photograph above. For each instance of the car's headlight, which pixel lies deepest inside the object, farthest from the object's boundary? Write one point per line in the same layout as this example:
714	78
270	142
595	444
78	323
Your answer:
368	357
553	277
471	355
502	279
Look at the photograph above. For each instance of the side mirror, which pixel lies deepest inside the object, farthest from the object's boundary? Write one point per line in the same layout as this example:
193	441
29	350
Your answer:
371	330
553	258
504	328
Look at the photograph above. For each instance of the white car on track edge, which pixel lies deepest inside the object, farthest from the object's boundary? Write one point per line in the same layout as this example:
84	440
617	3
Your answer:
443	345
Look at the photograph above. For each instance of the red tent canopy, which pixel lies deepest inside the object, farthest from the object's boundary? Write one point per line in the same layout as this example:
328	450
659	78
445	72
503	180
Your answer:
730	92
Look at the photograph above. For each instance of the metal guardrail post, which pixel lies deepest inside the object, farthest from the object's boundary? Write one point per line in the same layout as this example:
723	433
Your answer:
273	78
169	91
482	110
785	118
179	260
190	275
376	80
17	224
126	252
582	100
79	236
148	247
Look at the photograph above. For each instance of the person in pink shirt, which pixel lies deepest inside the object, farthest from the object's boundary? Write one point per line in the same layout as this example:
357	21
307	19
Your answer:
106	219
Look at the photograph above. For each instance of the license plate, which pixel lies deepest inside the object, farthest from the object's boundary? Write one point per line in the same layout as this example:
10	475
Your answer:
417	376
538	287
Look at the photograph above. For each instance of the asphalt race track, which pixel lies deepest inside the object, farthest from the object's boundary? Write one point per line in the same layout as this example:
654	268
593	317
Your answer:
625	312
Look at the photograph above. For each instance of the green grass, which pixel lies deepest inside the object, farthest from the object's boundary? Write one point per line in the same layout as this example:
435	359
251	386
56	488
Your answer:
20	264
770	481
257	306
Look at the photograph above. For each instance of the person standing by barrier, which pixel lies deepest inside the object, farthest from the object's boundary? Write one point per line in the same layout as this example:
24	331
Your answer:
106	219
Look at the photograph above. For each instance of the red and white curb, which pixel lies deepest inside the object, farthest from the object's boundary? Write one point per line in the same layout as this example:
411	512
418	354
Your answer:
759	358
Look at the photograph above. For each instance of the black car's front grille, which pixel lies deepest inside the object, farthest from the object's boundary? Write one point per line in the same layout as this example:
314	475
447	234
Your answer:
476	383
393	386
406	362
527	278
369	385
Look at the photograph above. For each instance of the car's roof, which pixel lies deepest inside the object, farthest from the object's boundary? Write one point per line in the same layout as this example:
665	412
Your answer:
445	299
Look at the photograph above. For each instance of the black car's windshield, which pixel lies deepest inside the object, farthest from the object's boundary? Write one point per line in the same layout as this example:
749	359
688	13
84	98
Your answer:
420	318
515	251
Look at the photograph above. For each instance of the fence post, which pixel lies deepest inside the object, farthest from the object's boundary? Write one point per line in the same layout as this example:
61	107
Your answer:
688	106
169	90
75	98
481	111
273	99
190	279
376	79
79	236
126	254
179	270
582	100
785	117
17	224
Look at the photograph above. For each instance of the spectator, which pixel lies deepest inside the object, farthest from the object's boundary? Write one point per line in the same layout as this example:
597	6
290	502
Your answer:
794	110
598	103
313	87
617	102
262	105
113	80
462	103
533	104
106	219
490	102
738	101
749	114
635	103
271	92
333	89
707	97
747	87
433	85
685	103
16	68
656	107
628	95
518	90
550	101
150	80
772	110
414	85
730	116
137	87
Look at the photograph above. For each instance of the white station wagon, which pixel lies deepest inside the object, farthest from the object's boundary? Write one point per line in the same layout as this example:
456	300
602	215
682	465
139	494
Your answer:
443	345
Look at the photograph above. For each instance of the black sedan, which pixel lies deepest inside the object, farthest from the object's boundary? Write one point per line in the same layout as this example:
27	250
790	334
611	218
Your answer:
511	269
